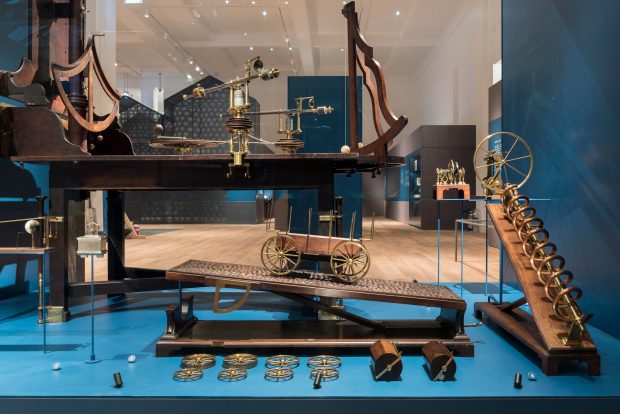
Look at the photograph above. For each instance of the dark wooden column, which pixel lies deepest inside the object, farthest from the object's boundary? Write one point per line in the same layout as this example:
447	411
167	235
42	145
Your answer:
76	134
116	241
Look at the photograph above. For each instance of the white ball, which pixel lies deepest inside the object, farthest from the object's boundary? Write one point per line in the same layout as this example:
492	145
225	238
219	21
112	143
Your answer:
131	359
56	366
345	149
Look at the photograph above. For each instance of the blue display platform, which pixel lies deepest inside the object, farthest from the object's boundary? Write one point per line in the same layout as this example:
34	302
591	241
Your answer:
132	325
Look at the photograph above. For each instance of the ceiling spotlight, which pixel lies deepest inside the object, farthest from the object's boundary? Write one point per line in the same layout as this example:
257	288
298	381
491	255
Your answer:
287	40
251	47
174	59
147	14
191	61
196	14
264	12
202	73
342	49
245	33
115	64
197	68
398	12
227	1
271	49
286	2
253	2
290	48
189	77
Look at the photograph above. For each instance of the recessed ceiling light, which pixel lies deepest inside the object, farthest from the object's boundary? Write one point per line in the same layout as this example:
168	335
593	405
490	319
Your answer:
286	2
202	73
251	47
290	48
191	61
174	59
133	1
245	33
197	68
189	77
227	1
147	14
115	64
196	14
271	49
253	2
342	49
398	12
287	40
264	12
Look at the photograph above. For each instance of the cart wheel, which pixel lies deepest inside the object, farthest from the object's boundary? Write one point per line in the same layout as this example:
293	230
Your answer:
280	254
350	261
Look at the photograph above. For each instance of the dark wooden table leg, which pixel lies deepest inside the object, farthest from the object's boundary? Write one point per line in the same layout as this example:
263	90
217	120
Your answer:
116	241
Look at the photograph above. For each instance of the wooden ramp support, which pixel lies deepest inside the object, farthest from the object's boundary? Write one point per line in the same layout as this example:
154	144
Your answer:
540	331
185	334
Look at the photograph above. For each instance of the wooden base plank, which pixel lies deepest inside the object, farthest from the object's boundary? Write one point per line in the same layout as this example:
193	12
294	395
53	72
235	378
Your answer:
522	326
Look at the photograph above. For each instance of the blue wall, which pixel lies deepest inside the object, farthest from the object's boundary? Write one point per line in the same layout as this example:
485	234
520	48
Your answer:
326	133
562	94
14	33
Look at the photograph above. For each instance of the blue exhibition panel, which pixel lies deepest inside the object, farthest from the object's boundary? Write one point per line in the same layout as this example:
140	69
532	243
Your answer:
561	93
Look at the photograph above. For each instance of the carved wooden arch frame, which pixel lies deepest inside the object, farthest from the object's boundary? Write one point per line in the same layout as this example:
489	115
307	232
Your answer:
90	61
361	54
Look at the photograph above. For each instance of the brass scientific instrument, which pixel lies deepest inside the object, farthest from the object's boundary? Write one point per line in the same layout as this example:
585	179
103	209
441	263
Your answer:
348	258
181	145
282	361
198	361
502	158
289	122
451	175
232	374
549	265
187	375
387	364
244	361
238	125
279	374
326	374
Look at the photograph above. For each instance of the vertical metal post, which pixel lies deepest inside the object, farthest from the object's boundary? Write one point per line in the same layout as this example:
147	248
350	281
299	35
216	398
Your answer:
42	298
462	247
92	359
486	249
180	289
438	241
501	273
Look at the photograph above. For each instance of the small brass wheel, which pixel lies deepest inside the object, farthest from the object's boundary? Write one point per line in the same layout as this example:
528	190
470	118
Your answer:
232	374
282	361
279	374
244	361
198	361
350	261
328	374
187	374
280	254
324	361
501	158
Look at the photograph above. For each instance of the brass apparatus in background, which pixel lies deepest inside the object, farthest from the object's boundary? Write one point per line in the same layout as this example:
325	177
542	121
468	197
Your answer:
238	125
549	265
289	122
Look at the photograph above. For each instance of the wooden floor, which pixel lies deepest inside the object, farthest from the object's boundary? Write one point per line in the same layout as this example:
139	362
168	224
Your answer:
398	251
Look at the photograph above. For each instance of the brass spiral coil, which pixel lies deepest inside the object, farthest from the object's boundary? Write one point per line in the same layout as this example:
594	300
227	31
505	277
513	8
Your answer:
543	257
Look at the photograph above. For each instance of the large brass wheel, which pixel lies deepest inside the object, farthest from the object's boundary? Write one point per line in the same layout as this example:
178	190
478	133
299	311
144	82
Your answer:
280	254
350	261
502	158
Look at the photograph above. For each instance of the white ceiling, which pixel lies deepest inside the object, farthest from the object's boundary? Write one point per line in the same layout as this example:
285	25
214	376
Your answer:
218	36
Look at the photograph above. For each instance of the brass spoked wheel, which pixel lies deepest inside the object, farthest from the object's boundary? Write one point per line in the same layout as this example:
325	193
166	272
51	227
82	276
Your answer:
324	361
198	361
280	254
279	374
242	361
232	374
350	261
328	374
282	361
501	158
187	374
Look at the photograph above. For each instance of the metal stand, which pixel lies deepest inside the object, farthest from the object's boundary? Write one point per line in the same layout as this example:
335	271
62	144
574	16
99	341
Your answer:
93	359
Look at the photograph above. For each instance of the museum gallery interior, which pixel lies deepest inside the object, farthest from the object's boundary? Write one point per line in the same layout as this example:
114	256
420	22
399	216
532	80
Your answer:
309	206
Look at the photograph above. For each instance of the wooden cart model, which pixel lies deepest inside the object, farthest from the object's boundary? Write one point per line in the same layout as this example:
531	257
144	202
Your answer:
348	257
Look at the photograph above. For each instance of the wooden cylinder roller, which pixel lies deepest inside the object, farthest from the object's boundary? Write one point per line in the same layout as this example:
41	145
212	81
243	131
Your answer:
439	361
386	361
